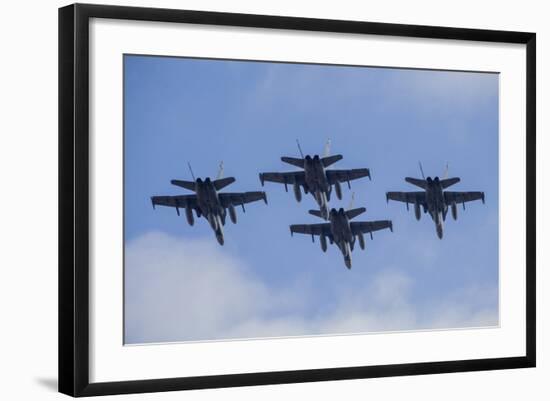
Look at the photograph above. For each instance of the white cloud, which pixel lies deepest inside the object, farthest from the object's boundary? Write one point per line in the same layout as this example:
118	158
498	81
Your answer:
427	90
190	289
447	86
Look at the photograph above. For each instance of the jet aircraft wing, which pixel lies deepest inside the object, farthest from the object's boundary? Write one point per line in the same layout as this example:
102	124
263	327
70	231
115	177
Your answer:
189	201
241	198
291	177
463	197
363	227
408	197
335	176
311	229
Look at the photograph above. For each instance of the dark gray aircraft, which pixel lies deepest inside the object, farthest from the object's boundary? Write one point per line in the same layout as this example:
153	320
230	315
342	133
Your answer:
340	231
433	199
208	202
315	178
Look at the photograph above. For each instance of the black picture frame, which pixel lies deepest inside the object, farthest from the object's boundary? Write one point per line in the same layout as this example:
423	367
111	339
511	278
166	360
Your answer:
74	198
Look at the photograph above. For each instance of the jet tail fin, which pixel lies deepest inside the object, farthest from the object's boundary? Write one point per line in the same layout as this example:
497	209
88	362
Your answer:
316	213
223	182
330	160
416	181
352	213
294	161
446	183
190	185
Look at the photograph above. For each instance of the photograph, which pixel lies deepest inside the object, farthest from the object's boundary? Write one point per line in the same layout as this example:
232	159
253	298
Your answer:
275	199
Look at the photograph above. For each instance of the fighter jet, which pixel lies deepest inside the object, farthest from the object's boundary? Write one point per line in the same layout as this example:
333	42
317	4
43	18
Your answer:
208	202
433	199
315	178
340	231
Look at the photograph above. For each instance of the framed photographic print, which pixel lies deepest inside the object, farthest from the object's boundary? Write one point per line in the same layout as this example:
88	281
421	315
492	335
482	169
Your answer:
250	199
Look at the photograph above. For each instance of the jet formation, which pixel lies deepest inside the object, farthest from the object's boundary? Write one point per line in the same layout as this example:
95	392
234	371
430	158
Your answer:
318	180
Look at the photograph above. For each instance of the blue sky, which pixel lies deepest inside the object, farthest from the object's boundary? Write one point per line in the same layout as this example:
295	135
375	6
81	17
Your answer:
180	285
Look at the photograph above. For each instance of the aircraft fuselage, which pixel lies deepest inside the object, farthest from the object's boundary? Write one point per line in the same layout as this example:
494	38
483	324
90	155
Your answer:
317	182
210	206
435	200
341	234
315	176
340	226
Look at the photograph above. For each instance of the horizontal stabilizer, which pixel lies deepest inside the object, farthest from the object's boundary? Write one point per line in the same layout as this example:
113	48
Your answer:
416	181
446	183
294	161
352	213
223	182
190	185
316	213
330	160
